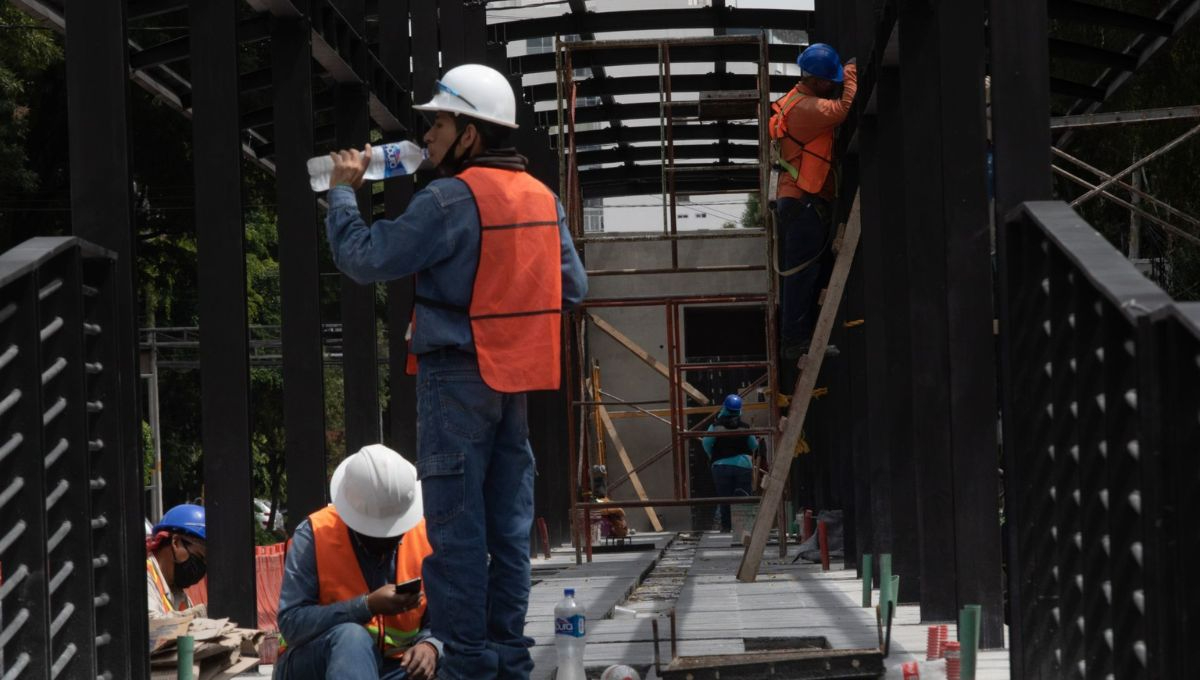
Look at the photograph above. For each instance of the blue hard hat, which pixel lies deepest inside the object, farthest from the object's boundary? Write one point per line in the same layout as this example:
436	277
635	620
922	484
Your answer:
822	61
186	518
733	403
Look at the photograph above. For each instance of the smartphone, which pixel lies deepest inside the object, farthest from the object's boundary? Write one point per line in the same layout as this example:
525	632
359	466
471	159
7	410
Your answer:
409	587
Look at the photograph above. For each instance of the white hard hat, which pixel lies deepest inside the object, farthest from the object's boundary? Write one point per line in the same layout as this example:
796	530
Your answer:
376	492
474	90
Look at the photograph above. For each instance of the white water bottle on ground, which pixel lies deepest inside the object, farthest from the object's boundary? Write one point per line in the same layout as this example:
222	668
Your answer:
570	629
387	160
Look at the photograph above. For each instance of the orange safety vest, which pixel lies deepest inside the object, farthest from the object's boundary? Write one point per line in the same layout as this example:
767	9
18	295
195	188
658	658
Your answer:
516	300
340	578
808	162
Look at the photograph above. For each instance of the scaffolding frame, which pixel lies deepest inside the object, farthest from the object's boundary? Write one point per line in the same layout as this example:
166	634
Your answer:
581	377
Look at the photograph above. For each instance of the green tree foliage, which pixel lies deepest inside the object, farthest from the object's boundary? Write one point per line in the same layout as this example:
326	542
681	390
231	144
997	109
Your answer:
1166	80
752	215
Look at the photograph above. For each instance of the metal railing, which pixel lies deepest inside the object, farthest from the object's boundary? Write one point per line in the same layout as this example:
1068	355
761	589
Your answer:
65	598
1101	380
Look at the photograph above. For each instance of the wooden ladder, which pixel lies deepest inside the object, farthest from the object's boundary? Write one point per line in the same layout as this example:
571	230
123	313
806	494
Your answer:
810	368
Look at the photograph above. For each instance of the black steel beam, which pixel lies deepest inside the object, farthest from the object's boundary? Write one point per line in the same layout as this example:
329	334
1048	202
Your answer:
224	362
102	212
626	56
299	271
630	154
424	50
896	529
1070	88
619	85
970	338
253	29
144	9
450	33
636	20
920	67
1067	49
1021	142
679	132
950	284
395	48
621	112
360	363
1083	12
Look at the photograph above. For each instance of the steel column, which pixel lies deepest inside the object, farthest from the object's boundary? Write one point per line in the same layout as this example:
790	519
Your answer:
927	269
971	339
906	559
102	212
299	269
224	360
401	432
1020	95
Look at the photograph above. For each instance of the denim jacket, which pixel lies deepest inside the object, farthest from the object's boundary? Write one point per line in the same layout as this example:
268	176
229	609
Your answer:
301	616
437	237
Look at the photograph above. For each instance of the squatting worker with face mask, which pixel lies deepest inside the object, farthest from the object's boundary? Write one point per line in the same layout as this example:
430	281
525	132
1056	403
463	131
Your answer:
341	615
495	266
175	559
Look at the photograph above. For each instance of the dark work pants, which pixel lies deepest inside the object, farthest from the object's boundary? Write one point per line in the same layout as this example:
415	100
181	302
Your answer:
803	237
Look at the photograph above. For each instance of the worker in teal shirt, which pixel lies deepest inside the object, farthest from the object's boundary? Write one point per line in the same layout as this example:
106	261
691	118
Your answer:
730	456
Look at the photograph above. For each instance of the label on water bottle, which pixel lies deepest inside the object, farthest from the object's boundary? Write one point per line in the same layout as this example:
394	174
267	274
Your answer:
393	165
570	625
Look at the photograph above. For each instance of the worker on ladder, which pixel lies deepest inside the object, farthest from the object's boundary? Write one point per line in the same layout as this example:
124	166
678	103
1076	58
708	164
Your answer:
176	558
730	456
803	125
495	266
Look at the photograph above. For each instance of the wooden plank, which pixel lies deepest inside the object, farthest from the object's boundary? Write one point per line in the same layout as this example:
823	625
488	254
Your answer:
781	462
645	356
600	450
624	456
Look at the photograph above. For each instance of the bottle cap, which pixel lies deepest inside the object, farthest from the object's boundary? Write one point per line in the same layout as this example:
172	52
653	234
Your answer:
569	592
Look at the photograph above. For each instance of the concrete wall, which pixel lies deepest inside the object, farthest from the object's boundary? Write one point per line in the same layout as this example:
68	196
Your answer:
626	376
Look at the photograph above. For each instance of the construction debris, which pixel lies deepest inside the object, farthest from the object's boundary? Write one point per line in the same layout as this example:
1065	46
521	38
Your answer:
222	650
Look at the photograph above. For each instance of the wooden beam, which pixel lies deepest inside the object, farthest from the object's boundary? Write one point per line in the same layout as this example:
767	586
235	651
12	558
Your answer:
645	356
624	456
781	461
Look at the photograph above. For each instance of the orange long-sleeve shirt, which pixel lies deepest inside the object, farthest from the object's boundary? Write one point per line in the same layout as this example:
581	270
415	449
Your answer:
809	118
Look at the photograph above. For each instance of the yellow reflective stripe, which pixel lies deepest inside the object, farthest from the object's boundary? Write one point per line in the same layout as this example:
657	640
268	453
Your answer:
791	169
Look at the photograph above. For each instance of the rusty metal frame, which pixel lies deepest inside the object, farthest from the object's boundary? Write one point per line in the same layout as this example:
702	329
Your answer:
585	401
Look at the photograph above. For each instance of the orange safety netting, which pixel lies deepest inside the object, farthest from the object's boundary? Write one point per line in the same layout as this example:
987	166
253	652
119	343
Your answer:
268	578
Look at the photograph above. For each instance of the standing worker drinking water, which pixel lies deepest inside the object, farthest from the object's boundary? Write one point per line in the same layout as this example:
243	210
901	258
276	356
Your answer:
495	266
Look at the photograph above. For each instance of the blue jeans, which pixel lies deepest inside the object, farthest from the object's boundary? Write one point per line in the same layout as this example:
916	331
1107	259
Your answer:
476	470
345	652
803	236
730	480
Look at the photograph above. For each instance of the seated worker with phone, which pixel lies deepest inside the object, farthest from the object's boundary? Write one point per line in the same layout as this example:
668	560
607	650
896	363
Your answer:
352	606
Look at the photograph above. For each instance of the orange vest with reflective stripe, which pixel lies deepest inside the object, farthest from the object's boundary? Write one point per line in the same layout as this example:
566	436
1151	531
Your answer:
516	300
808	161
340	578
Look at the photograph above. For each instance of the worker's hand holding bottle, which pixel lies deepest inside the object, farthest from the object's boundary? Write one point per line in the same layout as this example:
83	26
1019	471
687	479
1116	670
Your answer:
352	166
388	602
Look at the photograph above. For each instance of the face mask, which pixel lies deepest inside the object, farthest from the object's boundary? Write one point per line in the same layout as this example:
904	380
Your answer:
190	571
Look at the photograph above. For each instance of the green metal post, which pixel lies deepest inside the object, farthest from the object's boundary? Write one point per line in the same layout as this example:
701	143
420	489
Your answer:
868	576
968	637
186	645
885	583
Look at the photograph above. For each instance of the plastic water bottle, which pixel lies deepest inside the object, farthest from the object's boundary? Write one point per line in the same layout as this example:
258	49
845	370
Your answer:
387	160
570	621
